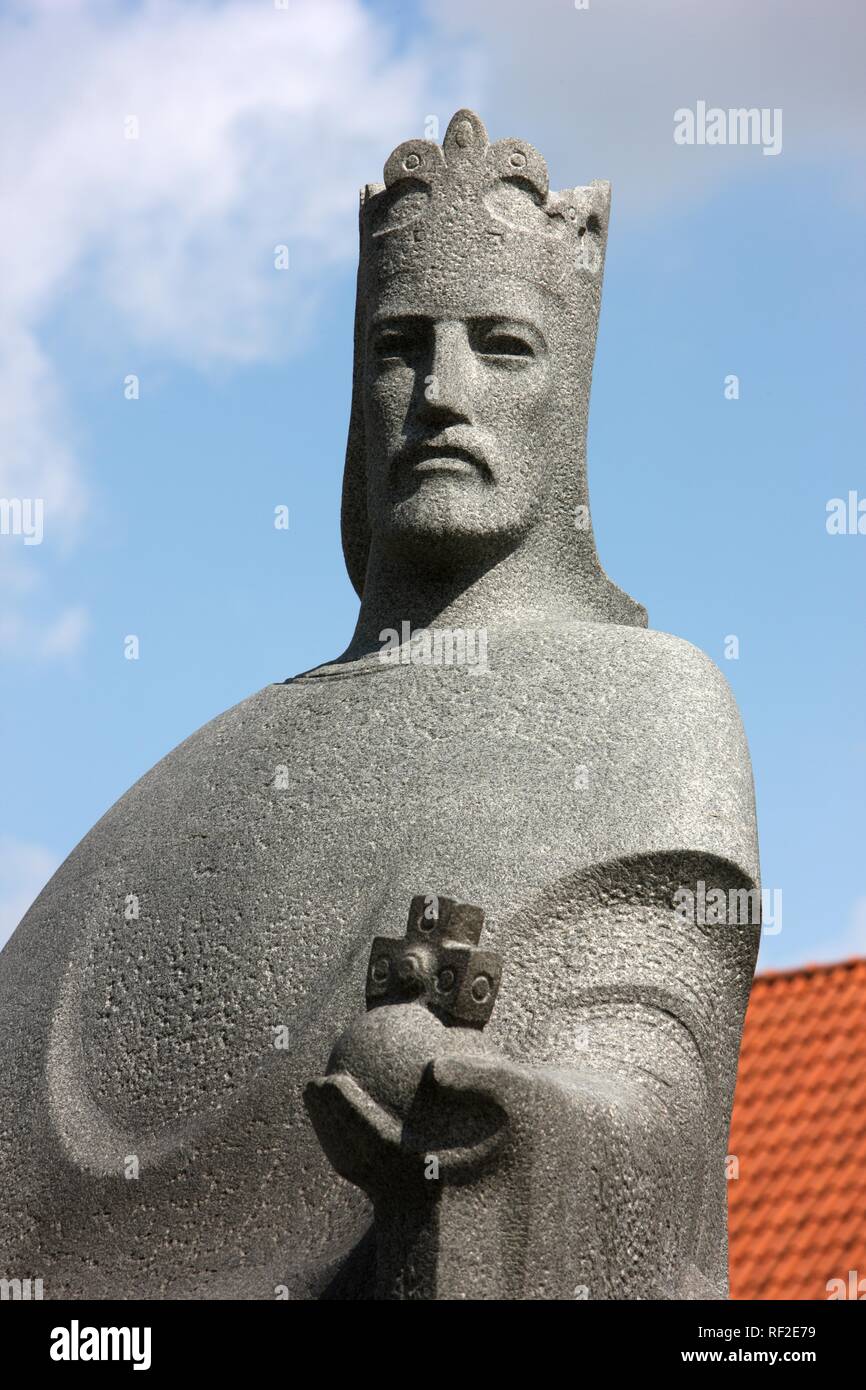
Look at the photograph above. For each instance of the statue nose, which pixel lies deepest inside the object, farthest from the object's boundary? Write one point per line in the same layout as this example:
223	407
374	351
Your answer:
447	387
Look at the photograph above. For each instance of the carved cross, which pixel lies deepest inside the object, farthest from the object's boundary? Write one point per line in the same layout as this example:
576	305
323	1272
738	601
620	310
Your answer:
437	961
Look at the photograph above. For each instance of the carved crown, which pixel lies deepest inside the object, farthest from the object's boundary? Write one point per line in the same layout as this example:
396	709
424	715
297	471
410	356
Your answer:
469	207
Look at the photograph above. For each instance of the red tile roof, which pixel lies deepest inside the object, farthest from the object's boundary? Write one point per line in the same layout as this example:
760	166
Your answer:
798	1208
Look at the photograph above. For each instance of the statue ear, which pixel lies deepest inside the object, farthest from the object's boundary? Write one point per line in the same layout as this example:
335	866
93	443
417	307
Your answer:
354	523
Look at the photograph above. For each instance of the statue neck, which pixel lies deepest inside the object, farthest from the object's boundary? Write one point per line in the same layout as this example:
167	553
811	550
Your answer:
524	586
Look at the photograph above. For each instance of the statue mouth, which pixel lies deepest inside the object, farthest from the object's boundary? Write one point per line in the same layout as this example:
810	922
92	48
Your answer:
446	461
442	456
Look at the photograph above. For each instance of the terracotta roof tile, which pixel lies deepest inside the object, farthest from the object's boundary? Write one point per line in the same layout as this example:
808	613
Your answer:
798	1208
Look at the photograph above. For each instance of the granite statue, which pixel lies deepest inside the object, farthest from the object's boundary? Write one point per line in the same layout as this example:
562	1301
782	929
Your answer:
194	1102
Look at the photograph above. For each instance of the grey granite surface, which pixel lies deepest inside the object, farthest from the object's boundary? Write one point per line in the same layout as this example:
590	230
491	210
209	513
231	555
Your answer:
200	958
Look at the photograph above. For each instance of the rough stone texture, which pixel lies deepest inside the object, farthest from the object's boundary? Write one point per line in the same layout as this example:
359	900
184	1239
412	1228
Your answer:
568	789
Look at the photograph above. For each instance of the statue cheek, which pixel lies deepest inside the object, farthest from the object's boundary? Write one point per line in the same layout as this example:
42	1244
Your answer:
387	404
539	392
517	395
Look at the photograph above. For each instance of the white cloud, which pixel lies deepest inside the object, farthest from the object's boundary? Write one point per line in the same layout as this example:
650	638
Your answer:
25	868
596	89
256	127
61	635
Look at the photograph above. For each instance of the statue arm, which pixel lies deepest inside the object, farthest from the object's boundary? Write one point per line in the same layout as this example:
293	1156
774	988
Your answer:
586	1150
636	1021
576	1181
600	1173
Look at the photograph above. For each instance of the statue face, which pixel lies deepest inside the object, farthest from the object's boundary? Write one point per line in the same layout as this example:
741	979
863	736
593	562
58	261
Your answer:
462	409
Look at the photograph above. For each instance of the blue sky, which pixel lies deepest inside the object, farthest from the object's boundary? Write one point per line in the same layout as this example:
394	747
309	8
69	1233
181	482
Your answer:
155	257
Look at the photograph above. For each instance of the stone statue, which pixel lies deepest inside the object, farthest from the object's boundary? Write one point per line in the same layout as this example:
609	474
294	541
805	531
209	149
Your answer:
504	736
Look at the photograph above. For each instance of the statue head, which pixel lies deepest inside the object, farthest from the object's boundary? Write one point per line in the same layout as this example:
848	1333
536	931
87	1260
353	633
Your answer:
476	318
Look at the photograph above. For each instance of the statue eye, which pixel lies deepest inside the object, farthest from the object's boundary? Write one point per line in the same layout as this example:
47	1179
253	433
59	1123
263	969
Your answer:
391	343
496	341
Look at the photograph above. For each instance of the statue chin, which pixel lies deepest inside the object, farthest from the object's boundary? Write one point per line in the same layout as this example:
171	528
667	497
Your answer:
437	531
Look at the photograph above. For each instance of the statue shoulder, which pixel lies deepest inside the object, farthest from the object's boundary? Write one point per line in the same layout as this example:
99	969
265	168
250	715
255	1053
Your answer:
683	673
212	765
259	713
668	735
192	795
665	680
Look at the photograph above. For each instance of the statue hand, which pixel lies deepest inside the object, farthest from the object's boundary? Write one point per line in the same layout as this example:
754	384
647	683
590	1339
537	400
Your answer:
383	1108
469	1084
358	1135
